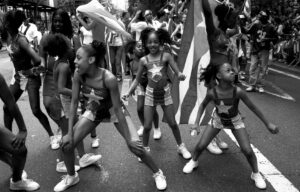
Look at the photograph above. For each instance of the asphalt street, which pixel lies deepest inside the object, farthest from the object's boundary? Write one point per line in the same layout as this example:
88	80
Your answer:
119	170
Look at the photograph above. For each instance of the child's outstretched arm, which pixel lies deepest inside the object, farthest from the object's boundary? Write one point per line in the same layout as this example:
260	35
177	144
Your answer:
271	127
137	78
174	67
207	99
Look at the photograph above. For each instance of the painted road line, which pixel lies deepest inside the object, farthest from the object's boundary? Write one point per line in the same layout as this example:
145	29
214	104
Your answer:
285	73
279	182
282	94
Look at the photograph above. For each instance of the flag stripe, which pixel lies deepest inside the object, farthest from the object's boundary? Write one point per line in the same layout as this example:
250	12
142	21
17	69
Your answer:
192	92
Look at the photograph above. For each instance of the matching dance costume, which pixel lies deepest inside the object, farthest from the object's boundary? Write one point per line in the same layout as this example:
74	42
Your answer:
97	110
158	91
226	114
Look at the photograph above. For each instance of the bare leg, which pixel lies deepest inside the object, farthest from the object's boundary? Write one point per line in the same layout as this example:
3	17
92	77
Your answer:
155	119
144	154
242	138
208	134
18	157
81	129
148	118
170	117
140	108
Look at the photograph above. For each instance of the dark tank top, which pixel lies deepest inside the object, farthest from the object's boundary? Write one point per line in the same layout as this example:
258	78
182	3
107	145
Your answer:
20	58
226	108
105	103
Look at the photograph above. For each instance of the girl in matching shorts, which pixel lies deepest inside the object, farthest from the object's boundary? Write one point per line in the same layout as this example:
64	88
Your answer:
226	96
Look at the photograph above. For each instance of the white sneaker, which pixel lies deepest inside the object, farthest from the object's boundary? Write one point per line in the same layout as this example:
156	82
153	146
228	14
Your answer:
160	180
95	142
259	180
261	90
24	184
148	150
54	142
183	151
190	166
66	182
251	88
88	159
61	167
156	133
214	148
140	131
222	145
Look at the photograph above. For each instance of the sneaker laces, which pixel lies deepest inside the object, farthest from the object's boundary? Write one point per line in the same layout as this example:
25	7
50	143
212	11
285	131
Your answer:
159	174
65	178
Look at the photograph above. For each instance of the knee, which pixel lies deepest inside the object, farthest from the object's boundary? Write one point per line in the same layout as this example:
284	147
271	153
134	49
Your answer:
140	109
67	149
248	152
173	125
136	150
22	151
147	127
36	111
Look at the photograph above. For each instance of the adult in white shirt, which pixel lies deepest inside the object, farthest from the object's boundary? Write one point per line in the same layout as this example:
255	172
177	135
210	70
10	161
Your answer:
161	21
29	30
86	35
138	27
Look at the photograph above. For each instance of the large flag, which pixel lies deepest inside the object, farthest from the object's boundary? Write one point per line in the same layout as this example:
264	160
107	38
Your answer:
194	56
97	12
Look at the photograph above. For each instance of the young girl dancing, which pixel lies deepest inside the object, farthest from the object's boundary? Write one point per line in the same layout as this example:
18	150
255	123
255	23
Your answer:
136	50
226	99
103	86
158	90
57	45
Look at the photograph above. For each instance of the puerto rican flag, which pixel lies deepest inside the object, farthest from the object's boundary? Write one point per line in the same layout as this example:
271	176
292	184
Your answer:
194	56
97	12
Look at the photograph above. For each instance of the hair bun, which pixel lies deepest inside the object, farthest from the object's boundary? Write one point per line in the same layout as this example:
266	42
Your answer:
100	47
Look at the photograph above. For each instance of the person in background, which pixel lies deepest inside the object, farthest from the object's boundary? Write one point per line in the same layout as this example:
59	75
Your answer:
27	71
75	24
86	35
115	42
29	29
263	35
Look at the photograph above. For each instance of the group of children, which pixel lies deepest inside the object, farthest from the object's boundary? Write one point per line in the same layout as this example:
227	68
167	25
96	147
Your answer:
99	88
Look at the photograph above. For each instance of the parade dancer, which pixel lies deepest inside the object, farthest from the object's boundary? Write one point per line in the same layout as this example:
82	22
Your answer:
158	91
226	97
135	48
103	86
12	147
61	23
26	76
58	46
